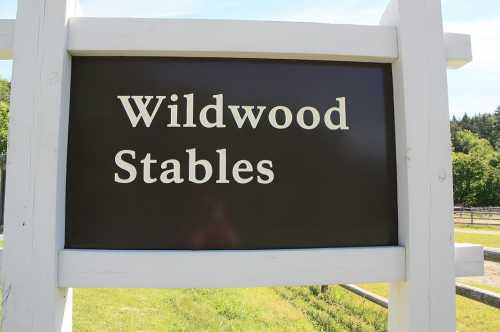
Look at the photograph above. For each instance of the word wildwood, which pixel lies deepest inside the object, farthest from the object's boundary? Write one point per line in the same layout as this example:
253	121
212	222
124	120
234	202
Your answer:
147	115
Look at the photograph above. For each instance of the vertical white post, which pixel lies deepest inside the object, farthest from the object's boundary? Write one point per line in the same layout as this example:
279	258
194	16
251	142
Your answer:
36	164
426	300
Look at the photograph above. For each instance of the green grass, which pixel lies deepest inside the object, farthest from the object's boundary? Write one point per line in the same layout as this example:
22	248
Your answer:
478	227
261	309
258	309
486	240
471	315
336	309
475	316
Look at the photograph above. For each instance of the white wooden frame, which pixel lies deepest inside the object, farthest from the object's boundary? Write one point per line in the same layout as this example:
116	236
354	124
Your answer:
191	269
126	36
38	271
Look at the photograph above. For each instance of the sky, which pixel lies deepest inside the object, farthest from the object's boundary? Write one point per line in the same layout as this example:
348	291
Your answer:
474	88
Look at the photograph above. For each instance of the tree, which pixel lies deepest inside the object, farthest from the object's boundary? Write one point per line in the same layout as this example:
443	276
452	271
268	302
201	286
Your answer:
4	114
484	125
468	178
4	90
476	170
4	123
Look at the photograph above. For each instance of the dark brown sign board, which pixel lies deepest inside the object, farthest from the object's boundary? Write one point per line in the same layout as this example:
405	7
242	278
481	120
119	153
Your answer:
212	153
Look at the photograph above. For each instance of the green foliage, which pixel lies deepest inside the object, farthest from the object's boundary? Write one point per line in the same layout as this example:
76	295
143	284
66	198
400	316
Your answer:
476	170
4	114
476	159
4	90
486	126
4	123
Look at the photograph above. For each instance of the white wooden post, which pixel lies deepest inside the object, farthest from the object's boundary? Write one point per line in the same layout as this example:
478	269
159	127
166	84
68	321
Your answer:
426	300
35	193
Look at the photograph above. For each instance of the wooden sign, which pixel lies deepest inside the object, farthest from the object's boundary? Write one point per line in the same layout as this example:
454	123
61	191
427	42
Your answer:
190	153
306	153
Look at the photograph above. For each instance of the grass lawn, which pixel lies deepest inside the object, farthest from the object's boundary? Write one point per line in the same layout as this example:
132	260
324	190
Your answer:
259	309
486	240
337	309
478	227
471	315
475	316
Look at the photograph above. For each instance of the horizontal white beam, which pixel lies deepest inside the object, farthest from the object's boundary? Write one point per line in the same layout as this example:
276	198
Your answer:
107	268
253	268
162	37
6	39
458	49
469	260
228	38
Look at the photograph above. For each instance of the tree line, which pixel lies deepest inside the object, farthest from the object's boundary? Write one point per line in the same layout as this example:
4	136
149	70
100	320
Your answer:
475	152
4	114
476	159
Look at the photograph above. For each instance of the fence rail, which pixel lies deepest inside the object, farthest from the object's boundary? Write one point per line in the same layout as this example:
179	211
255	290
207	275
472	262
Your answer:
486	297
480	295
477	215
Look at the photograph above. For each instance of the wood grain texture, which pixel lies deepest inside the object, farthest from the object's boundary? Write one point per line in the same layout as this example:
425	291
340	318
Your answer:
35	195
91	36
426	301
246	268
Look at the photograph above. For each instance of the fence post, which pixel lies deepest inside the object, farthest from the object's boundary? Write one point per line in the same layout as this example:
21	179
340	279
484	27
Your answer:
426	300
35	200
